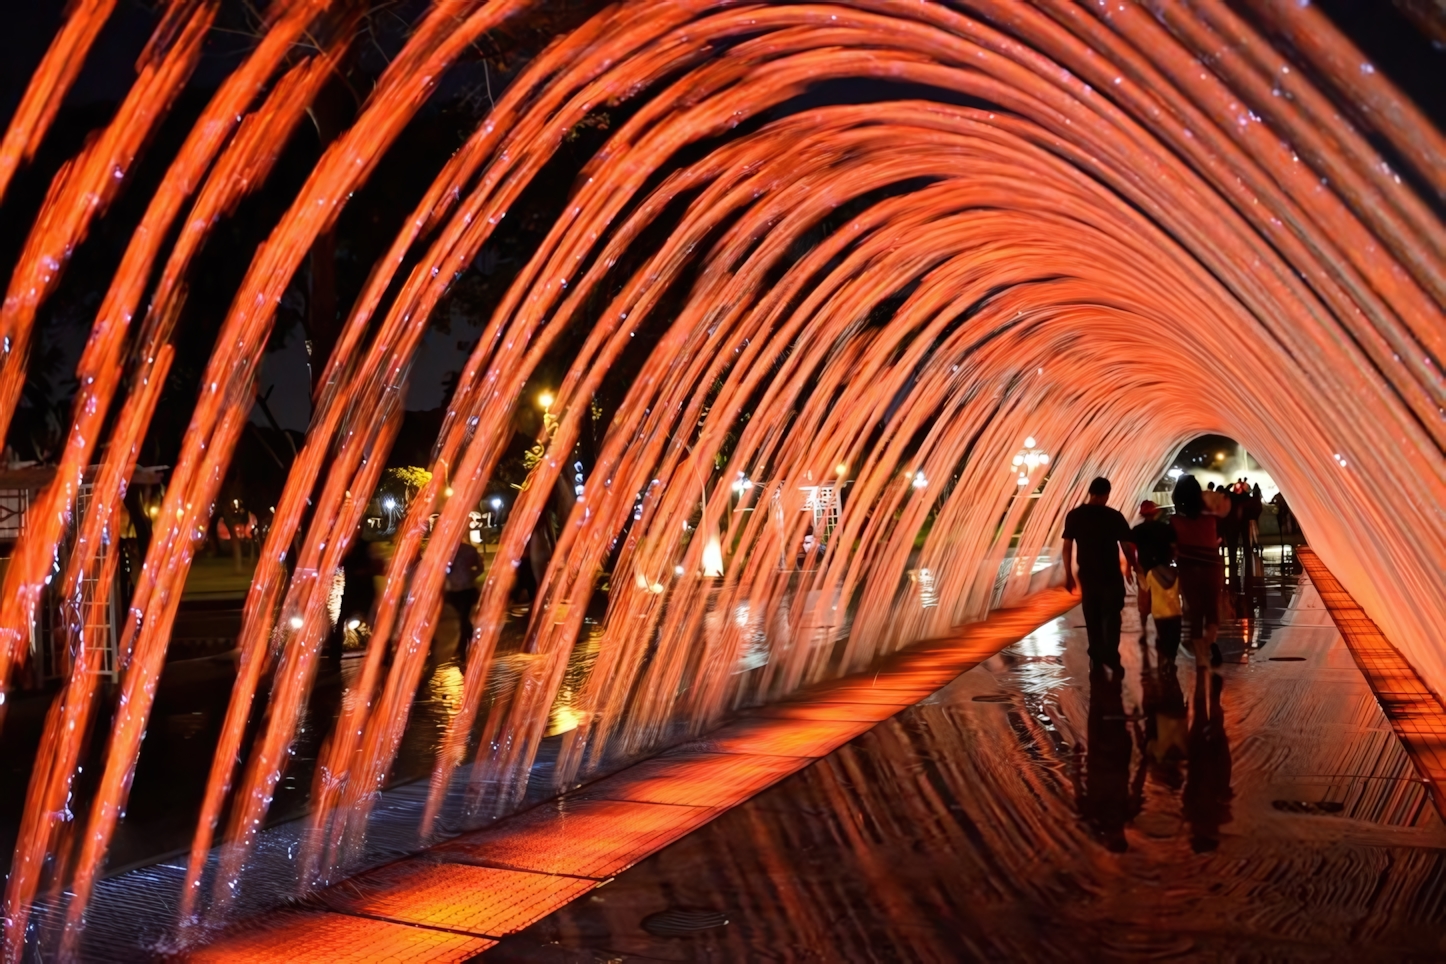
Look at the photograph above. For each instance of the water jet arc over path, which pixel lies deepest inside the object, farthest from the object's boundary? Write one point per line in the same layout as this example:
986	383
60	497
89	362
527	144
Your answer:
1144	203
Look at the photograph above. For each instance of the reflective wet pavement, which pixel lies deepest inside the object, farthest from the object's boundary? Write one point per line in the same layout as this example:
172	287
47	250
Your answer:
1265	811
479	887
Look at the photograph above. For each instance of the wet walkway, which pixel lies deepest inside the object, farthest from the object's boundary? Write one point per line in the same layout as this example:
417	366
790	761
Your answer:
451	902
1027	812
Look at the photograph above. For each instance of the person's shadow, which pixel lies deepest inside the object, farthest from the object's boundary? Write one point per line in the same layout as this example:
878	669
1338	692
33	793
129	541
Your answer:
1103	789
1207	795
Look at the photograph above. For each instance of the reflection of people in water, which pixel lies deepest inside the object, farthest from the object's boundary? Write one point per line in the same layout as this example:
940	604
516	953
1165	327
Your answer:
1165	725
1105	800
1207	784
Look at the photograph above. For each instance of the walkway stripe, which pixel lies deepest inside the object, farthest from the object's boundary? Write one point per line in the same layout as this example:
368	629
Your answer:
1415	713
456	899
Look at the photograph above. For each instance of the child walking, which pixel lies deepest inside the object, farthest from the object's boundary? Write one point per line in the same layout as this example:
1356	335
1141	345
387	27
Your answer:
1163	582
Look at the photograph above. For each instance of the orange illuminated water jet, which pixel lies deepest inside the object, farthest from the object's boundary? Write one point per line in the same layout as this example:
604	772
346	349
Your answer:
1150	224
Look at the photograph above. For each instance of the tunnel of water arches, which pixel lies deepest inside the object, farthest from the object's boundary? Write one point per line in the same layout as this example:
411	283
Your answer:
746	333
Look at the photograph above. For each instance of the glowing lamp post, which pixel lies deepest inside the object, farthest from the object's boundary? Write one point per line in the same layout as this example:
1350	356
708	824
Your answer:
713	557
1026	461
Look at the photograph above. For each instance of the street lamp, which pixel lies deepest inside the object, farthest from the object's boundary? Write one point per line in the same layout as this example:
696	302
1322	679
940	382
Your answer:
713	557
1026	461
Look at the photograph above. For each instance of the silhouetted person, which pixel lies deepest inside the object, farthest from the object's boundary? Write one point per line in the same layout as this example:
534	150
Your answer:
539	553
1105	800
1153	541
1100	532
233	530
1207	796
1284	520
1251	507
464	573
358	595
140	522
1197	550
1229	528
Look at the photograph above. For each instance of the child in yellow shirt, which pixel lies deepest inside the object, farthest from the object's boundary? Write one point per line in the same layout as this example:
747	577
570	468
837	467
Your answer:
1163	583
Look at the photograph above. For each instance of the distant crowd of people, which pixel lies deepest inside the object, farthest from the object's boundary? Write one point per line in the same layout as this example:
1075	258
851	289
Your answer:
1176	562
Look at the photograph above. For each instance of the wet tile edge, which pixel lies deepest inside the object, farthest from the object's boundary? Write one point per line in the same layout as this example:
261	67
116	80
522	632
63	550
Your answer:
1414	712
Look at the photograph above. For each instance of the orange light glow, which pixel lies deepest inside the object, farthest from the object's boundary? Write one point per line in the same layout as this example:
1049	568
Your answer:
1118	227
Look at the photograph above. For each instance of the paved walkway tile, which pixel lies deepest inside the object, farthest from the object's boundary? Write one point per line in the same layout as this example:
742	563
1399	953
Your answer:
862	712
318	937
779	737
579	838
480	901
695	779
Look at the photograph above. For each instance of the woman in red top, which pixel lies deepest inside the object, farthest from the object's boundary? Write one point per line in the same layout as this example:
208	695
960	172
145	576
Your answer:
1202	577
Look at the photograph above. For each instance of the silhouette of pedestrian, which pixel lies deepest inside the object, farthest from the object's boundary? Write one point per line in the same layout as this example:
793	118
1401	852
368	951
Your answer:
1230	527
1197	550
1100	532
1154	545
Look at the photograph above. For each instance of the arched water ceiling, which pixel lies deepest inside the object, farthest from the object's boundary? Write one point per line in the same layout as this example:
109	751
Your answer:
1152	224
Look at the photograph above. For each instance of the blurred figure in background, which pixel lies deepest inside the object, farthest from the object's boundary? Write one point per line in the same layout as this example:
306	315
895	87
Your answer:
1230	525
1284	518
1253	506
1197	550
461	588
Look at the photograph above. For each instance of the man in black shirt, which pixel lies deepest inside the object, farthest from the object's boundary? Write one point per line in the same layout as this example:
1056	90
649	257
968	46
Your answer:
1101	532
